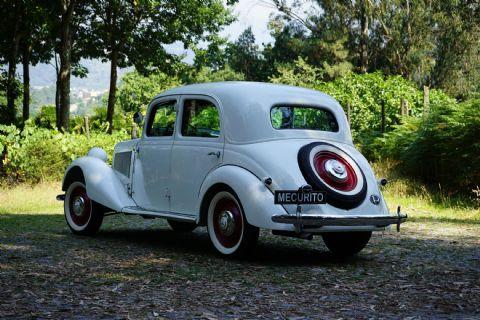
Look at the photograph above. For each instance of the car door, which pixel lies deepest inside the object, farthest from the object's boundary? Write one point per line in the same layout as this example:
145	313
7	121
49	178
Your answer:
197	149
152	157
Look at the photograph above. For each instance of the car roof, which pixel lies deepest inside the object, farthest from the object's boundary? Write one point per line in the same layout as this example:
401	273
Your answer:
246	109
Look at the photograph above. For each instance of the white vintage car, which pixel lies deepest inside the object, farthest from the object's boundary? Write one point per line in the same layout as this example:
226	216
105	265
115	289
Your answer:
236	157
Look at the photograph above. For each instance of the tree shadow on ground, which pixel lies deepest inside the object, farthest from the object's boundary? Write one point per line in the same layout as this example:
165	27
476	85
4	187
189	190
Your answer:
161	240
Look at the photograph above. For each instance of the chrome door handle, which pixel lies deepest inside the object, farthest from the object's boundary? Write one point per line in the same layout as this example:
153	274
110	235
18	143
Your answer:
214	154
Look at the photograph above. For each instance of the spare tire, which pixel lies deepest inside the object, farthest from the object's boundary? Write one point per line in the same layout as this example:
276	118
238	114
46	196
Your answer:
328	168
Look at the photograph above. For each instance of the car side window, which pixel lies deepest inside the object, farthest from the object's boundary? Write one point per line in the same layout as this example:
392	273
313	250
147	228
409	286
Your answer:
162	120
200	119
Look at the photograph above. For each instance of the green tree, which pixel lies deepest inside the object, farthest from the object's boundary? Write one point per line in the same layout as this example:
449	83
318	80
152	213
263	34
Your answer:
245	56
136	90
35	47
213	56
134	33
430	42
66	21
206	74
11	33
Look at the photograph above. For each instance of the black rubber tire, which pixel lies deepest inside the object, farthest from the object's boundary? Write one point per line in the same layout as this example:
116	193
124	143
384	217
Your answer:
250	233
333	198
96	219
181	226
346	244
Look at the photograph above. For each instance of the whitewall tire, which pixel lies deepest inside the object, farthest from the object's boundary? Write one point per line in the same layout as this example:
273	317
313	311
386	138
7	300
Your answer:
83	215
228	229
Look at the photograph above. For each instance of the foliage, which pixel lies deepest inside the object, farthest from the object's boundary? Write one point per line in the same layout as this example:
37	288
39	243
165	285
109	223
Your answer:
321	47
136	91
245	56
206	74
134	33
432	43
5	113
45	118
213	56
443	147
37	154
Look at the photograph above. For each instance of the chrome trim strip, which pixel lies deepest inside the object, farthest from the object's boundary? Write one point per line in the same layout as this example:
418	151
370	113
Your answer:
158	214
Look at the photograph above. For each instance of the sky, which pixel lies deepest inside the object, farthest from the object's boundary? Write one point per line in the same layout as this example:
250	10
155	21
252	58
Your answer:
250	13
254	13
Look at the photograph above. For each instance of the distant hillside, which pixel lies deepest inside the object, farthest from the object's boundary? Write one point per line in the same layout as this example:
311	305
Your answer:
42	80
43	75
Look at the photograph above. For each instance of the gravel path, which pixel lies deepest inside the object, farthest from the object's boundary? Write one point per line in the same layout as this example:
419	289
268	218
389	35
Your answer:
140	269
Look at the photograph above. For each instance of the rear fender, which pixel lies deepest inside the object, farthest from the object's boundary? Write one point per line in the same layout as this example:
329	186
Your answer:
256	199
102	183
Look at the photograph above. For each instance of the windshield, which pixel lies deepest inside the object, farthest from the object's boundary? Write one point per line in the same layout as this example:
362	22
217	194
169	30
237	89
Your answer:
303	117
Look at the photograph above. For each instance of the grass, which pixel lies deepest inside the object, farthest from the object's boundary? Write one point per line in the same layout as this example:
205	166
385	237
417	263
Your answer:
421	203
413	199
27	199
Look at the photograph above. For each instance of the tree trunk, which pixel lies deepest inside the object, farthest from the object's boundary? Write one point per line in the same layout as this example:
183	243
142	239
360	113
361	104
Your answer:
12	68
65	65
113	90
26	81
363	37
57	94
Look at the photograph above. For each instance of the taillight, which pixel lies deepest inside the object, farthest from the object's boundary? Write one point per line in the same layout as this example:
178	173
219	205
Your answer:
335	171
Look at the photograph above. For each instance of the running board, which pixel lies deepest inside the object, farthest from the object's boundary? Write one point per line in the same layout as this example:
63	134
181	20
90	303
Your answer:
157	214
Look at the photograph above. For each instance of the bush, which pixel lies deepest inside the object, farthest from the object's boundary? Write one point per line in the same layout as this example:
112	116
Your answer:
122	121
39	154
46	117
442	148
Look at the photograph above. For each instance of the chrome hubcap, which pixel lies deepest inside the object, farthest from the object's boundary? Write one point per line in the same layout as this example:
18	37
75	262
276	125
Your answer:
78	206
336	169
227	223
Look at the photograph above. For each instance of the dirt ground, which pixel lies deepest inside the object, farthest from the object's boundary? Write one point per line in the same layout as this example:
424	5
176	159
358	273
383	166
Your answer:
137	268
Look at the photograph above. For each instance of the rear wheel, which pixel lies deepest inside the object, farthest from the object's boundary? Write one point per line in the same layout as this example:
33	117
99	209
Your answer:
346	243
84	216
181	226
228	229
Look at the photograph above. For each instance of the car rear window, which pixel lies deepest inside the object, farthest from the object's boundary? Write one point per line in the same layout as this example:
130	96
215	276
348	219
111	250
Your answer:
303	117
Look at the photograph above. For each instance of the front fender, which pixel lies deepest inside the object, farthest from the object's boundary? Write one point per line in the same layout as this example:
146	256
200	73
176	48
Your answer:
256	199
103	185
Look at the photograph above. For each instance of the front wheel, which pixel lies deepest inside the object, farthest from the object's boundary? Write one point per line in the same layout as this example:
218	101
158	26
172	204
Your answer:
228	229
346	243
84	216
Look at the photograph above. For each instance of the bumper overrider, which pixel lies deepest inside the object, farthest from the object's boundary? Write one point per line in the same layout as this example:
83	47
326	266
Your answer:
317	221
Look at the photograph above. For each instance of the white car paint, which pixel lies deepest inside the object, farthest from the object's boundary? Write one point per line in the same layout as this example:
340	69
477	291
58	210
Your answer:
171	175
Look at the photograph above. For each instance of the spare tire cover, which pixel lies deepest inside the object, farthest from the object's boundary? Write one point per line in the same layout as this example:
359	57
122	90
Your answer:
348	189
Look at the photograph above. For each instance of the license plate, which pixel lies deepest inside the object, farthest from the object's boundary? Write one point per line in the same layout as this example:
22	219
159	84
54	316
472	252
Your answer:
299	197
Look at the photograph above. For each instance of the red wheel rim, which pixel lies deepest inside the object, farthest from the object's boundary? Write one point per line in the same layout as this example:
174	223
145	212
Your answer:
319	163
80	206
227	222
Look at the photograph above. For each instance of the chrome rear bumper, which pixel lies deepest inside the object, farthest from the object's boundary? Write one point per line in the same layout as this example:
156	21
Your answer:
312	221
